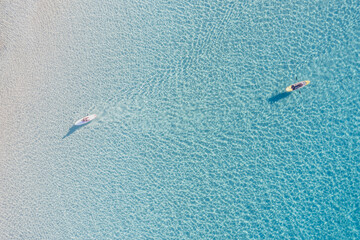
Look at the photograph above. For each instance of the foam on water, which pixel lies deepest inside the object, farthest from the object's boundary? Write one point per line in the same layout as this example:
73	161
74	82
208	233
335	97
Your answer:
195	137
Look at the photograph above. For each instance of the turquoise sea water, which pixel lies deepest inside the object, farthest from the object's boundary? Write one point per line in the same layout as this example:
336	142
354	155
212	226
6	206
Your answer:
195	137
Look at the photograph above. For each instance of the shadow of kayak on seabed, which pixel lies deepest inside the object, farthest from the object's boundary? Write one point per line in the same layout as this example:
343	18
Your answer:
279	96
73	129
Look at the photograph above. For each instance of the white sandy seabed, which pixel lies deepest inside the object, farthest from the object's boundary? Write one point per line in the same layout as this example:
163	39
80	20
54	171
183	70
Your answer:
33	35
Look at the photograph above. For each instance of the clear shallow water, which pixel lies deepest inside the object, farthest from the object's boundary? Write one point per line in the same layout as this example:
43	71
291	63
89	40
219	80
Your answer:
195	137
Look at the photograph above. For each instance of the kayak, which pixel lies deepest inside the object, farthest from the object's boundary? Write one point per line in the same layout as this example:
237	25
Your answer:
297	86
85	120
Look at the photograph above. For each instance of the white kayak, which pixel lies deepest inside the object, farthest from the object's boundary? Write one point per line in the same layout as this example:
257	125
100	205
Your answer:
85	120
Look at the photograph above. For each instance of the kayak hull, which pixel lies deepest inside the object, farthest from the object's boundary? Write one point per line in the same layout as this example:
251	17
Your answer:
304	83
85	120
